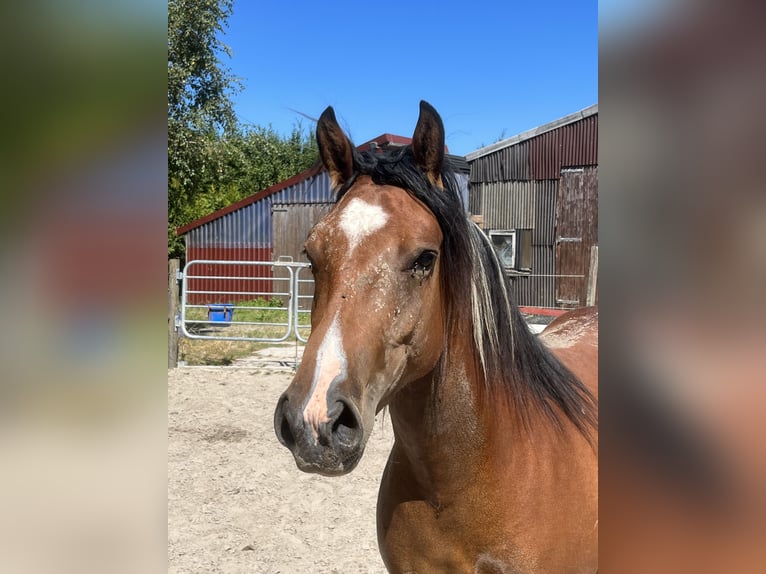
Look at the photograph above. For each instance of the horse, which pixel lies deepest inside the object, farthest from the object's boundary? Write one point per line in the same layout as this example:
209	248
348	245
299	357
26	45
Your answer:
494	462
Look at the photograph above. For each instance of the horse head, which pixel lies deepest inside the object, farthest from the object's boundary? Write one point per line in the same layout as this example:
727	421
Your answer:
378	316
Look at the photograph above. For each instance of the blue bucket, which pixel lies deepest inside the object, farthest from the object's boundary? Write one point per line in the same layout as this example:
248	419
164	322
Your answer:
220	312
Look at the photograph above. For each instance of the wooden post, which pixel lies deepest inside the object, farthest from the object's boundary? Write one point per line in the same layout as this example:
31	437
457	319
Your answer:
173	310
590	298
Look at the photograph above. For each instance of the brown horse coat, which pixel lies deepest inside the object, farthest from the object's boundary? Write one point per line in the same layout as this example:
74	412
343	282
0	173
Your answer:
494	463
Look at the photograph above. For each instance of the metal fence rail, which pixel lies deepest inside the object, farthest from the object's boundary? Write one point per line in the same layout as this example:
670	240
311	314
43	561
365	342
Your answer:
242	314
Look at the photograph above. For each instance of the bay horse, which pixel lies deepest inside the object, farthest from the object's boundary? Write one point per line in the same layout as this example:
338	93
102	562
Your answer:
494	462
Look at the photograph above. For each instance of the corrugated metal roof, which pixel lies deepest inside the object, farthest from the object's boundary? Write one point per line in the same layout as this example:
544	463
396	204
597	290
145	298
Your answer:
529	134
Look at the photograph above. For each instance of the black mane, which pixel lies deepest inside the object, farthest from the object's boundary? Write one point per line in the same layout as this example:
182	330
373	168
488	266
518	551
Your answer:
517	367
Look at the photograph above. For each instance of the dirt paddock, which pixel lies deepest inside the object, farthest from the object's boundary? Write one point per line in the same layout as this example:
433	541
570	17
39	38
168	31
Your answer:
237	502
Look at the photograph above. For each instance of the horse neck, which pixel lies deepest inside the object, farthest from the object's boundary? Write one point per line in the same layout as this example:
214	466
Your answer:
440	429
447	445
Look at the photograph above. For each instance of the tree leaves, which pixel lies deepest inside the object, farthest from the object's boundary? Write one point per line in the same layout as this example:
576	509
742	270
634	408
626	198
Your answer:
212	159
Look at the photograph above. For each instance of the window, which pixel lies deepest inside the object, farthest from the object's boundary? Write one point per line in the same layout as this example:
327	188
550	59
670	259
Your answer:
514	248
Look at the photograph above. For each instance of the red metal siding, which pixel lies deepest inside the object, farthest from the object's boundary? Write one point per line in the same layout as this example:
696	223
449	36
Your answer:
236	283
572	145
579	143
544	156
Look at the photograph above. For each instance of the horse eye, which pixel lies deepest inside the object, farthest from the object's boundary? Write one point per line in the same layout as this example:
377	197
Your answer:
425	261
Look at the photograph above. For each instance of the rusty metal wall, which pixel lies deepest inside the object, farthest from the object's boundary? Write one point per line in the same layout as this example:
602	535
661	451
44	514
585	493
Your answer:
577	230
537	289
520	186
475	198
510	163
544	232
507	204
524	205
574	144
577	204
579	143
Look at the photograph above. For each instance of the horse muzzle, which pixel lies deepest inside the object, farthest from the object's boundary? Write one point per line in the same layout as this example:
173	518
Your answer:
332	448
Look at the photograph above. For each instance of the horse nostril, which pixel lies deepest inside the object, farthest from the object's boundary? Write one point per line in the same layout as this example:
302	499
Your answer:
346	419
347	426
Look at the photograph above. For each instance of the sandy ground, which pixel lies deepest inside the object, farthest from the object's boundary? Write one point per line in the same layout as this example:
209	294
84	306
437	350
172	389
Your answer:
237	502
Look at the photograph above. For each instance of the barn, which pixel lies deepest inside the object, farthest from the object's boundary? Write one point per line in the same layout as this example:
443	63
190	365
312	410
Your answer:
268	226
536	195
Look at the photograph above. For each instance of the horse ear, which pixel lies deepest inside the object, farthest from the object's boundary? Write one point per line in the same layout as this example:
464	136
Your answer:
334	149
428	143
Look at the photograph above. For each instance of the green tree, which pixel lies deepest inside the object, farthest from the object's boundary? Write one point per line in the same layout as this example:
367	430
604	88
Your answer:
247	161
259	157
199	102
214	161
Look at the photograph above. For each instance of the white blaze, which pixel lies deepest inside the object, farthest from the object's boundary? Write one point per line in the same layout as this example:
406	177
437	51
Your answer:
360	219
330	366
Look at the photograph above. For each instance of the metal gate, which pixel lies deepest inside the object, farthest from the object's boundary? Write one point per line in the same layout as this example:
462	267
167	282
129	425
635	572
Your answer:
266	301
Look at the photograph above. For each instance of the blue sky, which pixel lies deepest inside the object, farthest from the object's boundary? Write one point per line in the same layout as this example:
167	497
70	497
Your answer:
491	69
